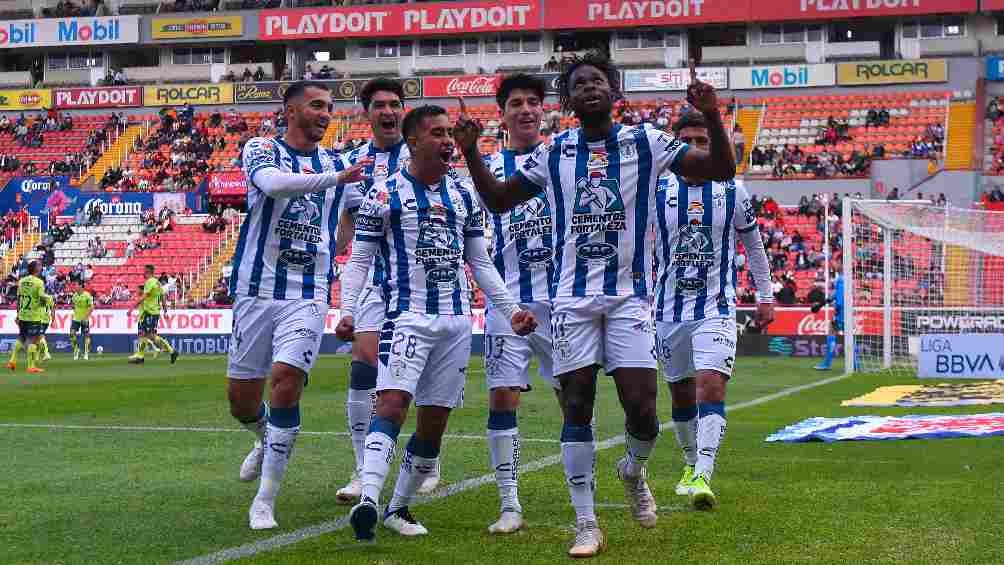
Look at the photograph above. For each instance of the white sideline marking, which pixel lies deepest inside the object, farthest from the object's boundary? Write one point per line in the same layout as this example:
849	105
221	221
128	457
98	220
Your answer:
71	427
316	530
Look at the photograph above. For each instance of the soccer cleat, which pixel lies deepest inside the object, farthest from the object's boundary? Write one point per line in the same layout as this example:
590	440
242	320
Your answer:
350	492
251	467
86	356
683	487
402	522
822	367
431	481
35	370
174	356
47	356
136	360
643	507
261	516
12	365
701	497
363	518
589	540
76	355
509	522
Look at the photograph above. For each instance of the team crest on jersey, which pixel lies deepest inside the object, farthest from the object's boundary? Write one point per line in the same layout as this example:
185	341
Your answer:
301	220
695	208
598	205
380	171
438	250
597	159
695	247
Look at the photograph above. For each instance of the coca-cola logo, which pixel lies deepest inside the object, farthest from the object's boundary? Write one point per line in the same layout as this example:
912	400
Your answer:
471	86
811	325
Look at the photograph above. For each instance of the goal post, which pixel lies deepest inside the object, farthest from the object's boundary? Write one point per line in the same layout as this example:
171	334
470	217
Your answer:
911	268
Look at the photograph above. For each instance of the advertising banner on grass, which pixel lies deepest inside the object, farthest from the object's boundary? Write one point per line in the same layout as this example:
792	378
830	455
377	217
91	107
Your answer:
892	72
108	97
194	94
399	20
676	80
62	32
201	27
892	427
961	356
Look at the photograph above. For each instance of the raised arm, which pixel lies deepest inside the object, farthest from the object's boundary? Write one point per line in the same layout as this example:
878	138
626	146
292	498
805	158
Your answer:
497	196
718	163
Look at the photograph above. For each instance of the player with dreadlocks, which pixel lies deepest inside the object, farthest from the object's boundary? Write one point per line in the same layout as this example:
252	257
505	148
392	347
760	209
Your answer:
600	181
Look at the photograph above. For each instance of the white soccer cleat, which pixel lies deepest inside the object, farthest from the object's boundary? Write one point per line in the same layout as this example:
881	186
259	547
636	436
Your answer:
251	467
76	355
509	522
589	540
402	522
643	507
351	492
86	357
261	516
47	357
431	481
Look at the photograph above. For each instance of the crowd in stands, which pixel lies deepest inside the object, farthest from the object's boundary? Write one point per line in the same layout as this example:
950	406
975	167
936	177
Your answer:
30	134
78	9
324	73
248	75
168	6
825	164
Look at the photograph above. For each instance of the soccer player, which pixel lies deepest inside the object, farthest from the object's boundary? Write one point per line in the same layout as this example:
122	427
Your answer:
149	306
600	183
383	102
836	324
83	305
427	230
698	222
282	280
521	243
43	344
32	304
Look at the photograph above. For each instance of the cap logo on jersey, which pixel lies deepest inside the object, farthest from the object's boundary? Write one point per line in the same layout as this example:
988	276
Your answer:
301	220
598	205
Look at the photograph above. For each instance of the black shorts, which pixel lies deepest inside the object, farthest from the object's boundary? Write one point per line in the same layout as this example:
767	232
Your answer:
28	330
83	327
148	323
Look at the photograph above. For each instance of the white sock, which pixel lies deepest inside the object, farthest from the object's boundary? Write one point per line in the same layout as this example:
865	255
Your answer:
278	451
710	431
376	464
685	429
359	411
414	470
504	448
636	453
257	427
578	454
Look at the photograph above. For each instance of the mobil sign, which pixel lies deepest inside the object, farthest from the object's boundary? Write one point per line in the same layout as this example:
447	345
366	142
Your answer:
782	76
60	32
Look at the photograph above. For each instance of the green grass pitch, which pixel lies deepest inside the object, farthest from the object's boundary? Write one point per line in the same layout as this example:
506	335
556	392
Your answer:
78	490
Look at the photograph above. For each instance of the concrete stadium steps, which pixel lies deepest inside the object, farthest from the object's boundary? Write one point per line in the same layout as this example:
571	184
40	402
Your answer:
959	136
21	246
115	153
749	120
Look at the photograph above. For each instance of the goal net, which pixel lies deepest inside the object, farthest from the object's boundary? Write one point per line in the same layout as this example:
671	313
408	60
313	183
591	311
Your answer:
911	268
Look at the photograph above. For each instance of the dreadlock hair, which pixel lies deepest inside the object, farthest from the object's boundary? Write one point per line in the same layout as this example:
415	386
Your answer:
593	59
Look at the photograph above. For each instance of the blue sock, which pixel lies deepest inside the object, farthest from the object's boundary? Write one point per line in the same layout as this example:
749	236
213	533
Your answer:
362	376
706	408
284	417
385	426
501	420
422	448
831	349
571	433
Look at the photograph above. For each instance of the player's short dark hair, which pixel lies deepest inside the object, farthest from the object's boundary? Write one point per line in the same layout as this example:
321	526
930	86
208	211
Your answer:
520	81
34	267
380	85
149	268
299	87
691	119
593	59
416	116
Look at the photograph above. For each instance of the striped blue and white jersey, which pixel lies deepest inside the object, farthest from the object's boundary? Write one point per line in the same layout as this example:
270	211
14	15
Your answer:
602	195
286	245
523	238
386	162
696	235
421	233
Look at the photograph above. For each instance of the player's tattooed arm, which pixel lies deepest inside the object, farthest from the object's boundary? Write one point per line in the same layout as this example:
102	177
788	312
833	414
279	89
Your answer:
497	196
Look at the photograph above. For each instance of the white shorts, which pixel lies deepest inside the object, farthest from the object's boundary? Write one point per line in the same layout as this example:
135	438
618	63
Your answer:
611	331
267	331
508	356
426	356
370	310
698	345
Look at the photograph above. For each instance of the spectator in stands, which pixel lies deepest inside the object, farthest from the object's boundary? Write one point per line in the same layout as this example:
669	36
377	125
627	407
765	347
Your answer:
259	74
120	293
221	292
757	156
872	118
120	77
739	143
816	294
787	295
308	73
165	219
248	76
21	131
883	117
96	216
941	201
6	126
96	248
229	77
894	194
993	110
